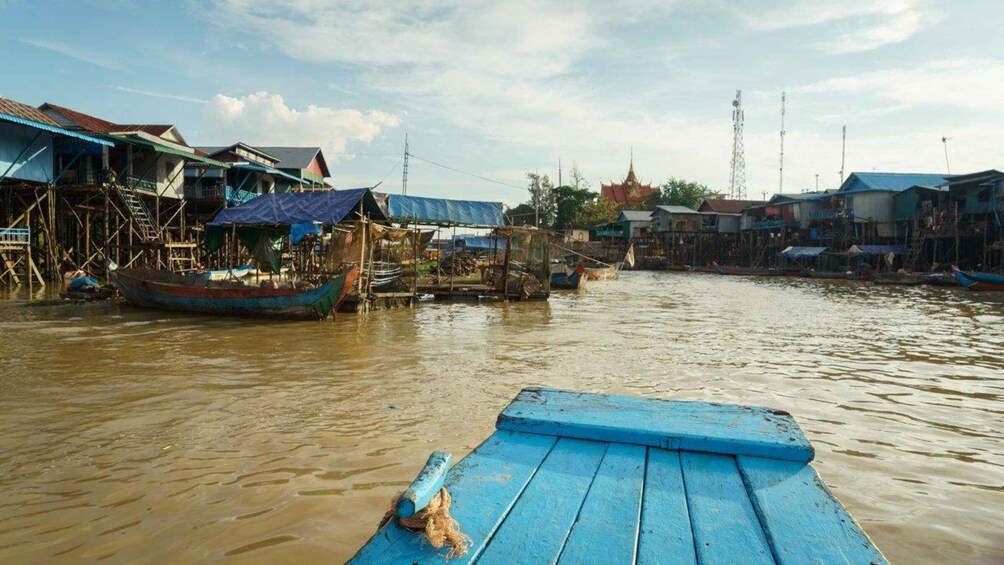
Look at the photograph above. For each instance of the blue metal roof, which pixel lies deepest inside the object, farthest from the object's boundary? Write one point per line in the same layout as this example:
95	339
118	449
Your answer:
802	252
892	182
444	211
54	129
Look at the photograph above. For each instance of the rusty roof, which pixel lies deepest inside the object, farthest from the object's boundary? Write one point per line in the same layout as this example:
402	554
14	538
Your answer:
14	108
82	120
726	206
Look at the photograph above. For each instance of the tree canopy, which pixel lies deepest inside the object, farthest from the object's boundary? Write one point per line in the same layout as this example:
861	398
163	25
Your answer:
680	192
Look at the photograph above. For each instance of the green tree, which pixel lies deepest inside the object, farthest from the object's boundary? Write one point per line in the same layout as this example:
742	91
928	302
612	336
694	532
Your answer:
679	192
569	201
521	215
542	198
598	211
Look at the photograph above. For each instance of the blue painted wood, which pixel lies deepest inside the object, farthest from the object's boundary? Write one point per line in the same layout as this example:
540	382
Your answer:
695	426
665	535
606	530
725	526
803	522
536	528
484	486
426	485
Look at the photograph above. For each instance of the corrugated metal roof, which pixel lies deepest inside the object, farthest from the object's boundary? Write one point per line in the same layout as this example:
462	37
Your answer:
292	157
726	206
676	210
17	109
269	170
54	129
894	182
84	121
136	140
636	215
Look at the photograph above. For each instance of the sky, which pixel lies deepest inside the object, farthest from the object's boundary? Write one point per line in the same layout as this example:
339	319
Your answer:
497	89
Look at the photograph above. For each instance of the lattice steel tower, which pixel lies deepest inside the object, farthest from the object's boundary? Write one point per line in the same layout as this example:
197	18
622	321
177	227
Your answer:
737	176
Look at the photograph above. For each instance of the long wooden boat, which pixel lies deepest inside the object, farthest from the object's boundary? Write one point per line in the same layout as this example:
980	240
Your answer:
905	279
170	291
747	271
564	277
941	279
978	281
605	273
587	478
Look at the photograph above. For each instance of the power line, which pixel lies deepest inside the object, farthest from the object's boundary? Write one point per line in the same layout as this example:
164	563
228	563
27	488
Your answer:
392	169
447	167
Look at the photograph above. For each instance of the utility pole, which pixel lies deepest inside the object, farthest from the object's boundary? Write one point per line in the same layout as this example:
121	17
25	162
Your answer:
780	183
404	174
536	199
944	141
843	153
559	171
737	176
817	182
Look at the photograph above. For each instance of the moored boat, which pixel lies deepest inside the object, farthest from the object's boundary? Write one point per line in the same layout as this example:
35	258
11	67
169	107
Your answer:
566	277
170	291
589	478
747	271
906	279
978	281
606	273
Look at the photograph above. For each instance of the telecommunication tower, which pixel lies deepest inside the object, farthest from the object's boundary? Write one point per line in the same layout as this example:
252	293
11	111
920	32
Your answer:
404	174
780	182
737	176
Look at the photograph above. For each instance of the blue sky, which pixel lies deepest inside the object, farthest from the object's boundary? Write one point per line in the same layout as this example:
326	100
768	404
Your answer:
501	88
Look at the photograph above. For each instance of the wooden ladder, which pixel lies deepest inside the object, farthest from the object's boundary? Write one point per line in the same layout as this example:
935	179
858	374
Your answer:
148	230
916	249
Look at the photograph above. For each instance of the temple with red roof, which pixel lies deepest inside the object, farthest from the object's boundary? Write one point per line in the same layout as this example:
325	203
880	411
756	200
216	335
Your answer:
628	193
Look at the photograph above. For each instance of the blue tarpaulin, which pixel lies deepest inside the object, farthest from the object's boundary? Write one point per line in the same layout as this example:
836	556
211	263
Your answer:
879	249
802	252
441	211
327	207
299	231
481	243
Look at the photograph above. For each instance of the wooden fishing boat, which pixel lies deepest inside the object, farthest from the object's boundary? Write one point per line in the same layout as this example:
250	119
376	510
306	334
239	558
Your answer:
978	281
565	277
96	294
747	271
223	274
906	279
587	478
170	291
602	273
941	279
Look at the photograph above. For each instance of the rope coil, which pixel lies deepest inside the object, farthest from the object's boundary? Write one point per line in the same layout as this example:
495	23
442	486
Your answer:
435	522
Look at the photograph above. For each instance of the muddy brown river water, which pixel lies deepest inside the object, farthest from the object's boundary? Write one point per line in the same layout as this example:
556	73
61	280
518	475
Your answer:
131	435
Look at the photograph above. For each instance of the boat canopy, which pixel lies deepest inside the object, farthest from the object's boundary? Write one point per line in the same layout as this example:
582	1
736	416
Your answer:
878	250
325	207
793	252
445	212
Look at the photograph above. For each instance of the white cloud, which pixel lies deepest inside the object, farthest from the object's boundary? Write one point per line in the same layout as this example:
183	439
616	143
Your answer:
167	95
75	53
964	83
854	25
265	119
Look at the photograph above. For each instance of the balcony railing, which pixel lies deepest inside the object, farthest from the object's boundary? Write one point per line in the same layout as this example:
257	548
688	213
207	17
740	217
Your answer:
772	224
825	215
139	183
15	236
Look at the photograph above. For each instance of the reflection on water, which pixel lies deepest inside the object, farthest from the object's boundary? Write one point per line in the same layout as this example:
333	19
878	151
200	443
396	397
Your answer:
131	434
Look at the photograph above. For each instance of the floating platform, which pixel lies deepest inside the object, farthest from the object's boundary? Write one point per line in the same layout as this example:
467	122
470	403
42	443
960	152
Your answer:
585	478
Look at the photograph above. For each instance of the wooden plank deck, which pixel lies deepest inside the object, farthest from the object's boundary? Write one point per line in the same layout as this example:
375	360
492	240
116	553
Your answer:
605	496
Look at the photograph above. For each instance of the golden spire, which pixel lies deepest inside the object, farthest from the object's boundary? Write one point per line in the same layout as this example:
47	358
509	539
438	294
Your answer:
631	179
